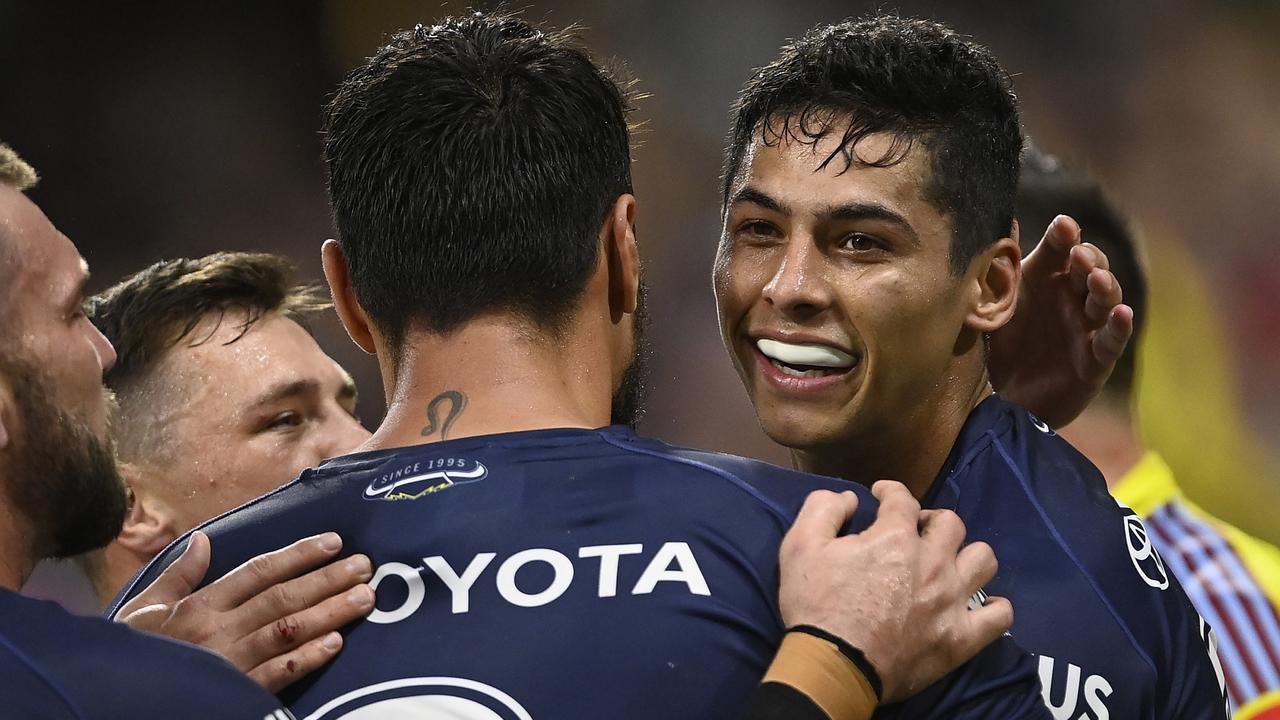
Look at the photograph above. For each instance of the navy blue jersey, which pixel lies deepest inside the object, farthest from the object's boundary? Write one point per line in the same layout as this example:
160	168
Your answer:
1114	633
56	666
564	574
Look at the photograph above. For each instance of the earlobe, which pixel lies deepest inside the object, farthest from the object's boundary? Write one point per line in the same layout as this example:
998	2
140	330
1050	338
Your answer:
996	285
338	274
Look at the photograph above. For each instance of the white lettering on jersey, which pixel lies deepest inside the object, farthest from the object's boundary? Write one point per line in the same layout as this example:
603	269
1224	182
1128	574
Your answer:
1096	689
411	603
609	555
659	570
459	586
674	562
560	566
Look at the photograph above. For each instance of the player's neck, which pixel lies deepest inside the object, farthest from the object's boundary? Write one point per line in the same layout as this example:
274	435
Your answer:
491	376
910	447
17	562
115	567
1105	433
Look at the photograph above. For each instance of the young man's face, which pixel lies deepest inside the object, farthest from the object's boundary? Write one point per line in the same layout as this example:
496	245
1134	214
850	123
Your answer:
835	296
245	414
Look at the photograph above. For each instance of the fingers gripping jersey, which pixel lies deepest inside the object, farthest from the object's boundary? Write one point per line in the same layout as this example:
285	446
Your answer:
56	666
564	574
1115	635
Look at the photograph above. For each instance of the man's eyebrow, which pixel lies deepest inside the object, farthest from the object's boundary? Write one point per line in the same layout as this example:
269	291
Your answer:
759	197
870	211
286	390
77	295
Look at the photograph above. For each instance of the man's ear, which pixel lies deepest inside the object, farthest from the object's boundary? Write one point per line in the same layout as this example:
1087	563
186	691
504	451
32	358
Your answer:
623	257
149	523
338	274
995	285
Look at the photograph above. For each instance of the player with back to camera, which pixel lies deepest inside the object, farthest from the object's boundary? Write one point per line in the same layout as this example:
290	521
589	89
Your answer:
868	252
531	561
184	328
1232	578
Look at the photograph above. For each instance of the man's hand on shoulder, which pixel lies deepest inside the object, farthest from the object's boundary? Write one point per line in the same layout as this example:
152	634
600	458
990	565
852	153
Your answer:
898	591
275	618
1069	329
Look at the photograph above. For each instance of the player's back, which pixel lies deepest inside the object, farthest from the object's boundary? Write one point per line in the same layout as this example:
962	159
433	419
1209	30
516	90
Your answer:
56	666
548	574
1114	633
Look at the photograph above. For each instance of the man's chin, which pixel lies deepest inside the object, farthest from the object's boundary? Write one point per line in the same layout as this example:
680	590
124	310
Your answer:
801	433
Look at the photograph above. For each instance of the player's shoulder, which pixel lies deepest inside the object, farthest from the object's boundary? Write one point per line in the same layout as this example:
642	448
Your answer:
92	663
1011	469
782	490
1004	447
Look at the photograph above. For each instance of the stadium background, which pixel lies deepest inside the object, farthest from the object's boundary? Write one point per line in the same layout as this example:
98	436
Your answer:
180	129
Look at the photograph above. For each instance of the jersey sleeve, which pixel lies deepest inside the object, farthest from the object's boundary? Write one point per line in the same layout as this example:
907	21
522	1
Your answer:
1145	613
187	682
999	682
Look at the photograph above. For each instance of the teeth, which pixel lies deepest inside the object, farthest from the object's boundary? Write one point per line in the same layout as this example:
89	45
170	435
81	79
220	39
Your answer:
805	354
788	370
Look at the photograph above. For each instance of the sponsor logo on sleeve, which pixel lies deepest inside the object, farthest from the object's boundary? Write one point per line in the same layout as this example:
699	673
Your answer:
422	478
1146	559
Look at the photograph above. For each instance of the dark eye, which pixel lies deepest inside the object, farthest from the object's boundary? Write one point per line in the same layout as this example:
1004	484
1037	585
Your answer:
758	228
859	242
283	421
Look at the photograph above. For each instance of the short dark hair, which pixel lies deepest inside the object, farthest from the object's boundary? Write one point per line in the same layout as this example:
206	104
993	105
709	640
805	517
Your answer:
915	79
154	310
470	166
1048	188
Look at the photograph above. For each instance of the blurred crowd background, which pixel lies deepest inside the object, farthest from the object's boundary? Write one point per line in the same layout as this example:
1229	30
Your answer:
179	129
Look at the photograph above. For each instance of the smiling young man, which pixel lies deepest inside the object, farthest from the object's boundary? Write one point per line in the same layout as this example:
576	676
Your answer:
868	252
